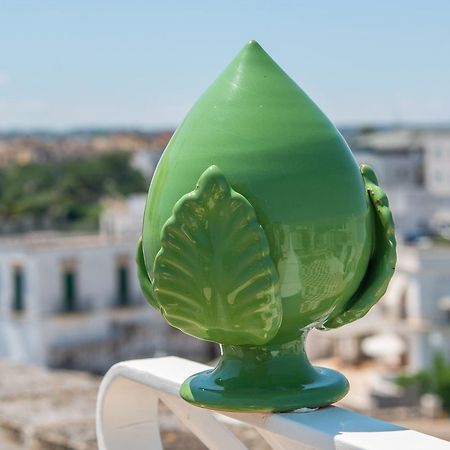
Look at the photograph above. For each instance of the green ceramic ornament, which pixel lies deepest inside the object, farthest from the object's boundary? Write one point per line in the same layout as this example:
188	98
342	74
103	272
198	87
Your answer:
259	226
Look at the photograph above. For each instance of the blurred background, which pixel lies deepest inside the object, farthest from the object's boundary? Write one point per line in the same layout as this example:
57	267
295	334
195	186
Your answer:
90	94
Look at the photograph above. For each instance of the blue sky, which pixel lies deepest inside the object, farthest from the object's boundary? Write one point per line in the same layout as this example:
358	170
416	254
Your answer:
144	63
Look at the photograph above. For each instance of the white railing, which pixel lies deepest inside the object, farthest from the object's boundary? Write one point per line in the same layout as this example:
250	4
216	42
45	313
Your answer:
127	417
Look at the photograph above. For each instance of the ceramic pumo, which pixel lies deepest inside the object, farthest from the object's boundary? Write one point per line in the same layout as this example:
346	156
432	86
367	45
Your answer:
259	226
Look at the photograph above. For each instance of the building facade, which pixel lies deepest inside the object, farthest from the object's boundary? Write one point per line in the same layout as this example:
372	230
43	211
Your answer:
411	323
413	166
75	302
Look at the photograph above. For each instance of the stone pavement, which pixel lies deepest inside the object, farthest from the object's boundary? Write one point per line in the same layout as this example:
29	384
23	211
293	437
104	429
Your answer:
55	410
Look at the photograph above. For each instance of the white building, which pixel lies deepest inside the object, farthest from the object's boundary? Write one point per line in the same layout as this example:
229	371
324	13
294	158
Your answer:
417	303
146	160
411	323
437	163
74	301
413	166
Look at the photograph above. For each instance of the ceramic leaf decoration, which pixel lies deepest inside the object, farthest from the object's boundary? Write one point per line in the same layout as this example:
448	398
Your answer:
214	278
383	261
289	234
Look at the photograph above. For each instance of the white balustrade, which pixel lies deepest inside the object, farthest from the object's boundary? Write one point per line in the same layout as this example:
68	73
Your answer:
127	417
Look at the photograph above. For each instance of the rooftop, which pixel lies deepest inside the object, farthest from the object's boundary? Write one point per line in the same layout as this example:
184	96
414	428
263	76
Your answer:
58	240
395	139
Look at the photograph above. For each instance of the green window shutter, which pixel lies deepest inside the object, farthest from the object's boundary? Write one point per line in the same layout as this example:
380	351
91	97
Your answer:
18	303
123	285
69	291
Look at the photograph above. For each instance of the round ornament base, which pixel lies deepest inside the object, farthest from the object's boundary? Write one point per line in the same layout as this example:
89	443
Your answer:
275	378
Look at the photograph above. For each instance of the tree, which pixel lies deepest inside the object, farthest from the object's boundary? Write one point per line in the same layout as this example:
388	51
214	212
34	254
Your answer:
436	380
64	194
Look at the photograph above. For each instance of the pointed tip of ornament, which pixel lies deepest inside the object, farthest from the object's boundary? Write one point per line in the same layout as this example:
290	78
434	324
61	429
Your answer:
252	50
253	45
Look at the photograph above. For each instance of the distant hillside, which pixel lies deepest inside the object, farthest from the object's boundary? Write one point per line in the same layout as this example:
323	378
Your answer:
19	147
65	194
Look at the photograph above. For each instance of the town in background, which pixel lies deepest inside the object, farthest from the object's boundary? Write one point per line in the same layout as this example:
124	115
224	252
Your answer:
71	213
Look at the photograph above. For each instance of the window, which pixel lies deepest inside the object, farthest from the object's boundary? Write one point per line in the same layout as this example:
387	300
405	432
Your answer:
69	287
403	310
123	282
19	285
420	175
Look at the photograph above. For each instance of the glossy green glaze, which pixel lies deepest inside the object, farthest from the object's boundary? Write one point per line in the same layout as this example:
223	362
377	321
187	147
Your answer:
276	377
382	263
323	249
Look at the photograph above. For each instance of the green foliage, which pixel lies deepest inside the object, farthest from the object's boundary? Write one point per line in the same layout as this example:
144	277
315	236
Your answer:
436	380
64	194
214	277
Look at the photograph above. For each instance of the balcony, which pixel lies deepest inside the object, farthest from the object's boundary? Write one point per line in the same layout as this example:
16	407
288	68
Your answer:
127	417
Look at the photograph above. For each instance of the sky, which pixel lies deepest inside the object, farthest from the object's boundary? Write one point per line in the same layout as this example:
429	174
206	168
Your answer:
84	63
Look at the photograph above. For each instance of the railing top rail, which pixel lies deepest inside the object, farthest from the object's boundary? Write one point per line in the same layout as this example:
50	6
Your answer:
127	416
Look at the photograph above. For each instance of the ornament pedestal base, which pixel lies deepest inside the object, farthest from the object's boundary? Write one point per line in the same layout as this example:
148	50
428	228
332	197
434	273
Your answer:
272	378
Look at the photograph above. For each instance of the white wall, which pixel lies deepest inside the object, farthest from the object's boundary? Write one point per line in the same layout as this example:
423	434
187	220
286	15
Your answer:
437	159
96	275
30	334
427	326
